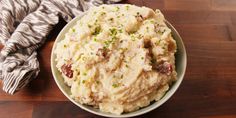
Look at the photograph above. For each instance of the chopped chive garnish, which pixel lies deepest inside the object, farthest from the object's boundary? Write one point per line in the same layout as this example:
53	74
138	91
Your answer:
126	66
114	85
127	7
89	26
95	39
117	8
113	31
103	13
158	42
152	21
97	30
132	37
83	81
147	28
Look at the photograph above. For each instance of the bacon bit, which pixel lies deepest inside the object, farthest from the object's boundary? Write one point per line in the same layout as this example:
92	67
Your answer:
147	43
164	68
102	52
171	46
66	69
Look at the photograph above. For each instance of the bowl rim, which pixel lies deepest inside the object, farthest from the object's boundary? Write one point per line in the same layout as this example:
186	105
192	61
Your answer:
150	107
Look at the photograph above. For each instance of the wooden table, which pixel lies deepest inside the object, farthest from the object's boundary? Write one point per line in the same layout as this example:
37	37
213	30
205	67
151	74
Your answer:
208	28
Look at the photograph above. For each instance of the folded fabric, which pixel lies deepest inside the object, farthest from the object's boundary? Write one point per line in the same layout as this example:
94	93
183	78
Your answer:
24	24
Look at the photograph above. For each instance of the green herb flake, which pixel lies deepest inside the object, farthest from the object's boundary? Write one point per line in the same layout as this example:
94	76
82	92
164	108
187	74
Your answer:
89	25
127	7
84	74
117	9
113	39
158	42
83	58
113	31
164	48
114	76
64	46
122	76
97	30
147	28
107	43
142	58
152	21
73	30
103	13
95	39
115	85
124	49
132	37
83	81
140	36
104	47
126	66
162	32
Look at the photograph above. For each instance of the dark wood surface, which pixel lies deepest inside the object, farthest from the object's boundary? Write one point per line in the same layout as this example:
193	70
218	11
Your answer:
208	28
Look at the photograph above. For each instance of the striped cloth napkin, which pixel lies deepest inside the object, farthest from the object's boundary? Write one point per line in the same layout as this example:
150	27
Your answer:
24	24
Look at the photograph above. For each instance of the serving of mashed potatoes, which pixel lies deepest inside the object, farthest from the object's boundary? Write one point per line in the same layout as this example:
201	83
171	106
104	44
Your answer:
118	58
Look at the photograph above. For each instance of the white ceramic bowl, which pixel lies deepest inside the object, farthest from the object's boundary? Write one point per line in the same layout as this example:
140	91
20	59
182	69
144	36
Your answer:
181	60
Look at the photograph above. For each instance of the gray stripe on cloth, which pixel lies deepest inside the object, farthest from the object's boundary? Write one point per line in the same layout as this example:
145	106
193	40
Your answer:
12	79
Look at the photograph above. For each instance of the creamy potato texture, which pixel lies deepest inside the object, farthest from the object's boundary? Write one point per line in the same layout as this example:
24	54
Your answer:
118	58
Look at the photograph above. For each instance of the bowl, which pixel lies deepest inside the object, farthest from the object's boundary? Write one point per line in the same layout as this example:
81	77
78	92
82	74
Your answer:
180	62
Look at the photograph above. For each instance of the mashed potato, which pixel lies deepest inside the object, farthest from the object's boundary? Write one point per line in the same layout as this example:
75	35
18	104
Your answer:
118	58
